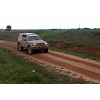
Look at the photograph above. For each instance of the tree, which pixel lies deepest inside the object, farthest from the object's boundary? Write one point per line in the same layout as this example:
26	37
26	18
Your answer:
8	28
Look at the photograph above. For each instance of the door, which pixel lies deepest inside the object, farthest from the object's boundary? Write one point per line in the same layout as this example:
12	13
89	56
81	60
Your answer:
24	43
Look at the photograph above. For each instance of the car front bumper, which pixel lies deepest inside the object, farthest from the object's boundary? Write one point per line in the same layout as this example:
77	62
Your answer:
39	47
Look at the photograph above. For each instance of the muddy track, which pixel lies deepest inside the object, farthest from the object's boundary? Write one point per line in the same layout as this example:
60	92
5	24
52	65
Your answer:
89	69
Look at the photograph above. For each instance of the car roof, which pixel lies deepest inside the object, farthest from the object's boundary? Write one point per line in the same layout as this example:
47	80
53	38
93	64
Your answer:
28	33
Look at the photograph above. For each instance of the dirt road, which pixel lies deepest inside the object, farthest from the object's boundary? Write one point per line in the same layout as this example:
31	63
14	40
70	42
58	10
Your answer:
88	69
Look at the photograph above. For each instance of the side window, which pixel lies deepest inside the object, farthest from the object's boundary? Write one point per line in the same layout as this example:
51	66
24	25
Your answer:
24	38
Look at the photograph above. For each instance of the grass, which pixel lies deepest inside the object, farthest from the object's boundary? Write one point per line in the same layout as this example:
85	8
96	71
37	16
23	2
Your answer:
15	69
80	37
72	37
82	55
68	72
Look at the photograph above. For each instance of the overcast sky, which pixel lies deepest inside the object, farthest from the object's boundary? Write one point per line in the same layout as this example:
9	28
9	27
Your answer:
46	14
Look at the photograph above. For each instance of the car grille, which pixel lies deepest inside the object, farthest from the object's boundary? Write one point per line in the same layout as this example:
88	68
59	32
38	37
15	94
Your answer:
40	44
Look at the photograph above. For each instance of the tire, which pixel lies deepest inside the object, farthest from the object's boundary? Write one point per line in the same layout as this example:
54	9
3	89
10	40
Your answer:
30	51
20	48
46	50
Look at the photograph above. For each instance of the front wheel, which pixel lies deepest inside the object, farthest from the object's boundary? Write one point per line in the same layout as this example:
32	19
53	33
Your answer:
45	50
30	51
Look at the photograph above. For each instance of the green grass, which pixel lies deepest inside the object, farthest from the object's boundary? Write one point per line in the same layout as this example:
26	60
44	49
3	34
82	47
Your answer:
15	70
70	52
72	37
80	37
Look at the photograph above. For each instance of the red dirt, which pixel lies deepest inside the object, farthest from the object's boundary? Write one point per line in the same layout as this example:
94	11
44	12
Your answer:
87	68
86	49
3	37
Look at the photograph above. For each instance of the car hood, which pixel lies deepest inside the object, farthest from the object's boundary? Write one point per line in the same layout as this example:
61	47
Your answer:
37	41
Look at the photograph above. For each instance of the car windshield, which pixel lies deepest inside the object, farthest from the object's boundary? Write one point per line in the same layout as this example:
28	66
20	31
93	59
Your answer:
31	38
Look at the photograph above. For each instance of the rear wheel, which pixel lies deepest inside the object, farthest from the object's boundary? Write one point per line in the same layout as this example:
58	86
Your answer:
20	48
30	51
45	50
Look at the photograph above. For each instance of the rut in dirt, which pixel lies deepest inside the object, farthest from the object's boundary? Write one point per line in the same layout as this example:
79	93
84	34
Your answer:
70	67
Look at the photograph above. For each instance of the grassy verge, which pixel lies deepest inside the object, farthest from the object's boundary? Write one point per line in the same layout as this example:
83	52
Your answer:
15	69
82	55
79	37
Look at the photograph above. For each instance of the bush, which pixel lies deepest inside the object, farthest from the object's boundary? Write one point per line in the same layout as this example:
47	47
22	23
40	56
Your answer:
81	45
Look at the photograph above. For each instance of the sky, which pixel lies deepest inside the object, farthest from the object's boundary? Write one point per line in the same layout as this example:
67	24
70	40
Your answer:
48	14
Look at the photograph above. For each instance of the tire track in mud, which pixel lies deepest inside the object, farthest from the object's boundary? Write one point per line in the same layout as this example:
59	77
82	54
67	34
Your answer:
70	67
63	61
76	60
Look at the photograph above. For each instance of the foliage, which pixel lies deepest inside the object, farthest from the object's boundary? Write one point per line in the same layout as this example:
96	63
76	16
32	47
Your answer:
78	37
72	37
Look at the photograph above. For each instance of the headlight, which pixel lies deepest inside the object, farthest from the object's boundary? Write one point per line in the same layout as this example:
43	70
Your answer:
46	43
34	44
